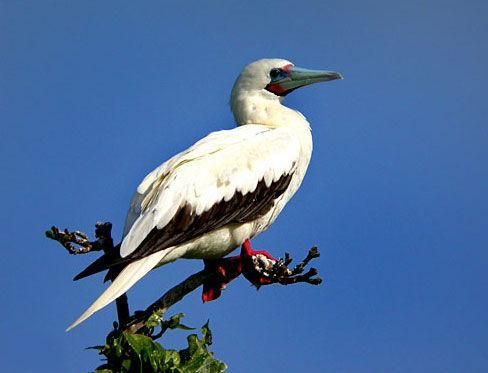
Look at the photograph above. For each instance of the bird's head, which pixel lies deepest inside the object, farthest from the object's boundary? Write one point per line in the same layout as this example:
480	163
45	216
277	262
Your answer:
271	80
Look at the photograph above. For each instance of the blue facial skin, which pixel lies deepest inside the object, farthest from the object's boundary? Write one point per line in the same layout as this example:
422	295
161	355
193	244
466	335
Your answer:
277	74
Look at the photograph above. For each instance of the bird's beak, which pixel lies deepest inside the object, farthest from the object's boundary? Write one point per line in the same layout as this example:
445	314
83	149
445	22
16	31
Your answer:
298	77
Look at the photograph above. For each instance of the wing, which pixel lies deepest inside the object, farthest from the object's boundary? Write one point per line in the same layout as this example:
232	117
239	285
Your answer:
211	144
229	176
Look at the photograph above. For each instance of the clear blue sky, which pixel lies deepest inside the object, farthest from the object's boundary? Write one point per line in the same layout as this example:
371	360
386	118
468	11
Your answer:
93	95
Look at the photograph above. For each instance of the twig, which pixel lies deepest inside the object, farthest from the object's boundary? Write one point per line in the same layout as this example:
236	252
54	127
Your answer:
272	271
168	299
68	239
283	275
278	273
77	242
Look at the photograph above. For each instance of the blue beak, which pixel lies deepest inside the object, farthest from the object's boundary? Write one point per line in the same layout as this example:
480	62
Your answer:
295	77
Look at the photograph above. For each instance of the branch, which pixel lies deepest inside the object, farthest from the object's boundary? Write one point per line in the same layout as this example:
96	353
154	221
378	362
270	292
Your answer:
277	273
272	271
171	297
280	273
77	242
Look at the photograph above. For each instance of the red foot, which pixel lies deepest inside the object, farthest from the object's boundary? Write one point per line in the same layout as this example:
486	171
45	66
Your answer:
228	269
248	256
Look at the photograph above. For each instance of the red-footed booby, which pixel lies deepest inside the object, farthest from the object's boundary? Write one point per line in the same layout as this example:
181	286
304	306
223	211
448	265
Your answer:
224	190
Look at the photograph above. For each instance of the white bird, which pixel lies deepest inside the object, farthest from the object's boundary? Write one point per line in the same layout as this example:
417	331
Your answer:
225	189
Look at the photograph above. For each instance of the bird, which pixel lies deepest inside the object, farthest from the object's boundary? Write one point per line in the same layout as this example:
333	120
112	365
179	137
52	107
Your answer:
222	191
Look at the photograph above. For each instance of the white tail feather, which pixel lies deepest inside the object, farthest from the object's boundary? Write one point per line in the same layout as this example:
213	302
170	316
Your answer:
124	281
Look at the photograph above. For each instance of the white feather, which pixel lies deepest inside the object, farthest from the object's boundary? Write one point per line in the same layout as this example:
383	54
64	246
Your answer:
128	277
210	171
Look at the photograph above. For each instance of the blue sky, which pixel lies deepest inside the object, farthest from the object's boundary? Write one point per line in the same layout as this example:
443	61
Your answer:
93	95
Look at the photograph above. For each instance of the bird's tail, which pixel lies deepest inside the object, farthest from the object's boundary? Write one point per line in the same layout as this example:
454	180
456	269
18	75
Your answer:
124	281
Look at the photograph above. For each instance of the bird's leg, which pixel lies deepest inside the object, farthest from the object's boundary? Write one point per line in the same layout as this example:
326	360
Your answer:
223	271
259	267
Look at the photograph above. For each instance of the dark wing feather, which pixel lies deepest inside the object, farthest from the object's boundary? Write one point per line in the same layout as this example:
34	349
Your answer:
186	225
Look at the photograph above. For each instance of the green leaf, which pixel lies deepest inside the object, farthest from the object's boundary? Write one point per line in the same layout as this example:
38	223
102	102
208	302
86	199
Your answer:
174	322
117	347
204	362
96	347
172	358
207	334
197	358
139	343
126	352
184	327
153	320
126	365
193	344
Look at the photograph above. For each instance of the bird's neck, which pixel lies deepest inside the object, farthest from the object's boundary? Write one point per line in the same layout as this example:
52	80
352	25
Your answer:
268	111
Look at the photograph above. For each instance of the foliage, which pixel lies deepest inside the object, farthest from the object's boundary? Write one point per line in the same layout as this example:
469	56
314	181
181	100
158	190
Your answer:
137	352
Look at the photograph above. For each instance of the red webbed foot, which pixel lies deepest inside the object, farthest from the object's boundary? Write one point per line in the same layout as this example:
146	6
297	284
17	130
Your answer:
255	265
260	268
225	270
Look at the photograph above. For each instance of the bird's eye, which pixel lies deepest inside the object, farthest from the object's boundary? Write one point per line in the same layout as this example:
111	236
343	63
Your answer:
274	73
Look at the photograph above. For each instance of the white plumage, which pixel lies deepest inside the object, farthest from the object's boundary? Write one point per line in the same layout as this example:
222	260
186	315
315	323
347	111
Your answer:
270	141
214	168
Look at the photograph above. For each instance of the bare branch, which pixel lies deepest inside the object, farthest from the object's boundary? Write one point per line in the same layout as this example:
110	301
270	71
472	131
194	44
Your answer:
170	298
77	242
272	271
279	273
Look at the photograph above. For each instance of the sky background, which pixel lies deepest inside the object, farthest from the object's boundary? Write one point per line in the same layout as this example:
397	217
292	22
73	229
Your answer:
94	95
